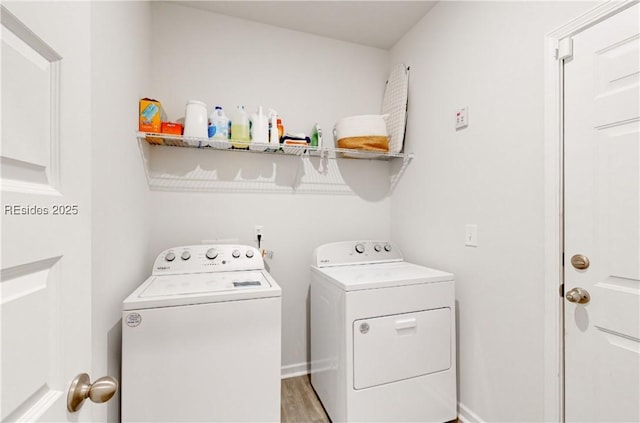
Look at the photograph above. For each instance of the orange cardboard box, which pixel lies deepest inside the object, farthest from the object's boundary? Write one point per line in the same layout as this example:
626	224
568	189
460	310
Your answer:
151	115
171	128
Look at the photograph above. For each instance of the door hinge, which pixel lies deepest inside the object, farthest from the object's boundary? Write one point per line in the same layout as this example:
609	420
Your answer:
561	290
564	49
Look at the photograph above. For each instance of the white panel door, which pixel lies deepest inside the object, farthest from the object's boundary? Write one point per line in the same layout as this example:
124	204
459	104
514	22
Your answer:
602	222
45	279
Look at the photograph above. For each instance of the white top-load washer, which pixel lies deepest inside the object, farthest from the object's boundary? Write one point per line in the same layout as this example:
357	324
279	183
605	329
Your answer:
201	339
383	343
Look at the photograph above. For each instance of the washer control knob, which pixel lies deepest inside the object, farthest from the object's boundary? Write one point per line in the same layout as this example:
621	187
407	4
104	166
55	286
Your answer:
211	254
359	248
185	255
170	256
249	253
378	248
387	247
236	253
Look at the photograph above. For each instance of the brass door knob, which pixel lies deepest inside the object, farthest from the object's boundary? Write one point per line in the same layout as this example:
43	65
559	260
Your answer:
578	295
81	388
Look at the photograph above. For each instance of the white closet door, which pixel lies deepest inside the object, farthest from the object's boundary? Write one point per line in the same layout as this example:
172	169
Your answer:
602	222
46	207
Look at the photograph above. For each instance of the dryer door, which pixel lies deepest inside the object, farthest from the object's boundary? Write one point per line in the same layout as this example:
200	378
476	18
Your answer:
401	346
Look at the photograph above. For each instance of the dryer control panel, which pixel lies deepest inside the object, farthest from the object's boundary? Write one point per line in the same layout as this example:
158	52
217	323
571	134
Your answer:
207	258
355	252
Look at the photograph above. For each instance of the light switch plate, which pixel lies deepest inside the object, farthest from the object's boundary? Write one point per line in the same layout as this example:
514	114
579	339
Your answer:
462	117
471	235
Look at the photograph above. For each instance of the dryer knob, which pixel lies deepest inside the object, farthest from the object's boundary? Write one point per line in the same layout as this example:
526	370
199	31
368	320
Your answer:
211	254
378	248
359	248
387	247
236	253
170	256
249	253
185	255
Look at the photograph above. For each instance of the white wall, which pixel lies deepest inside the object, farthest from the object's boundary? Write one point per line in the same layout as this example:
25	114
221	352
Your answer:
308	79
488	56
120	36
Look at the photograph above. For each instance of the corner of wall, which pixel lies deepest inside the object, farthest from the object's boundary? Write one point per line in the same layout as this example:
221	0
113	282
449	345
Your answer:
120	61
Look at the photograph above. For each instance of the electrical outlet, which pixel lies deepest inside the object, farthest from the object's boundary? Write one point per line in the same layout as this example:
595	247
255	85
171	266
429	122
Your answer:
462	117
257	230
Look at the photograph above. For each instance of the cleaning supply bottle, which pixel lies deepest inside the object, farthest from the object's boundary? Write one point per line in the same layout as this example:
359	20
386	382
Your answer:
280	129
316	136
218	124
259	127
274	137
240	136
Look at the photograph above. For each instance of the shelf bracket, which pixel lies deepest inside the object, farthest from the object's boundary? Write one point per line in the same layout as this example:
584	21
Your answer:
298	178
396	177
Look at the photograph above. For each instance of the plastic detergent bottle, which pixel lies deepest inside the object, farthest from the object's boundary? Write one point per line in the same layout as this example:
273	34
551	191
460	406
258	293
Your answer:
259	127
218	124
240	128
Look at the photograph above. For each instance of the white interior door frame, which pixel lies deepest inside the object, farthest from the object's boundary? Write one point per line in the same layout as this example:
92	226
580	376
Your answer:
554	140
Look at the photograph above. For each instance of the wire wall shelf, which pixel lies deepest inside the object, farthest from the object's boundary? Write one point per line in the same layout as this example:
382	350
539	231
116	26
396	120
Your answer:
243	146
318	170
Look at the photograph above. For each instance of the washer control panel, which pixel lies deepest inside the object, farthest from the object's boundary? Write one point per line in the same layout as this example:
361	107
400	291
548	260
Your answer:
207	258
355	252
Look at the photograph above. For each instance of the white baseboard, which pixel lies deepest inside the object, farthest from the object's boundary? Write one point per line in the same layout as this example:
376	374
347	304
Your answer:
465	415
293	370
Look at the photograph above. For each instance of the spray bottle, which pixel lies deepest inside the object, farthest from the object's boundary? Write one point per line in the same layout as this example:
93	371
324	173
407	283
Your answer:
274	137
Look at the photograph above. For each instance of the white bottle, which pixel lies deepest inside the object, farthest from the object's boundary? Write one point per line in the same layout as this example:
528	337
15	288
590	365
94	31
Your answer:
195	123
259	131
274	137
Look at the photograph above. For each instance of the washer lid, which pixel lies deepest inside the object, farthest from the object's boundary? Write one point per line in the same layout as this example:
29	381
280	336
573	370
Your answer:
174	290
381	275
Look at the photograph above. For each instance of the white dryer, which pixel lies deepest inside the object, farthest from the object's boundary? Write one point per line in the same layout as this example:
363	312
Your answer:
383	343
201	339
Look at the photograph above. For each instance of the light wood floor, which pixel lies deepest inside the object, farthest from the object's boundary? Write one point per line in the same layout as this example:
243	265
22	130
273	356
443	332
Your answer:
300	403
